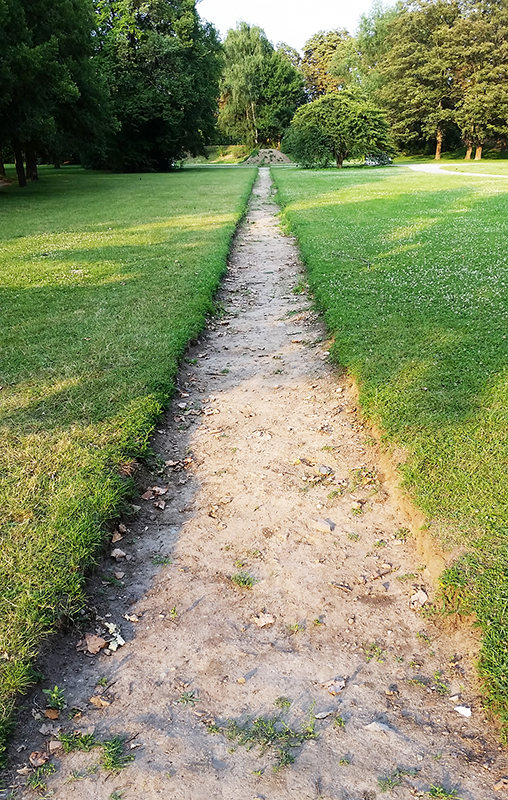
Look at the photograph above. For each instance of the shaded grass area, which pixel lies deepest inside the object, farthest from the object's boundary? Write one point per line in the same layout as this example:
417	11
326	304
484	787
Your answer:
411	272
104	279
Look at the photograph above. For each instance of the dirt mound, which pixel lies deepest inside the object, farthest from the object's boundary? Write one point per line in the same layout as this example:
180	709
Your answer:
267	157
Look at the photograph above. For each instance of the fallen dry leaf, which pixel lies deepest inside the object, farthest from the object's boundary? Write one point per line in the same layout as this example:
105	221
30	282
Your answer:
99	702
118	554
122	528
116	537
262	620
38	758
119	575
160	504
91	644
51	713
148	495
158	490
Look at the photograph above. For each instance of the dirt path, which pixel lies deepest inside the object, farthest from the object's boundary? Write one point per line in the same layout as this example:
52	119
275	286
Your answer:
264	449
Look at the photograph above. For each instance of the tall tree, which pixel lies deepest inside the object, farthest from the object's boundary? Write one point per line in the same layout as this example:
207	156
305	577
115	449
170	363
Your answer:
46	74
162	66
418	87
318	54
479	47
261	88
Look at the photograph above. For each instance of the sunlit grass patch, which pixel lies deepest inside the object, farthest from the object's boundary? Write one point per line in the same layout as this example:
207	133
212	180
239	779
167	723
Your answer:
411	272
104	279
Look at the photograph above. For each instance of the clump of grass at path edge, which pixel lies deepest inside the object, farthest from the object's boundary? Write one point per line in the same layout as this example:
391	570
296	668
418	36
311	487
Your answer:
105	278
411	272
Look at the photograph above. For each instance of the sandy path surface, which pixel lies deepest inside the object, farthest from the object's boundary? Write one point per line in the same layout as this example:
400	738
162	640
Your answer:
269	474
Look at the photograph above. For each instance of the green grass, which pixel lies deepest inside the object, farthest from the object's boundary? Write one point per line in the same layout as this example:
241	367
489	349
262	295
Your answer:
493	167
272	734
104	279
411	272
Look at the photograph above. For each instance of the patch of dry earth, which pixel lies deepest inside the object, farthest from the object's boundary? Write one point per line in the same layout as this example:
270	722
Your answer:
274	448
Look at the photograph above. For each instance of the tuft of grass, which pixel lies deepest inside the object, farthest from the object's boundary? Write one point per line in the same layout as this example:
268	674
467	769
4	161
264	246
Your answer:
394	779
272	734
37	780
114	757
282	702
440	791
104	279
410	272
78	741
243	580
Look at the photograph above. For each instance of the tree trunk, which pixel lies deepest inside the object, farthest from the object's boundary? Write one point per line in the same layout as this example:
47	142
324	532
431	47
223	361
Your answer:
339	159
31	163
467	157
57	164
254	122
20	167
478	152
439	144
2	166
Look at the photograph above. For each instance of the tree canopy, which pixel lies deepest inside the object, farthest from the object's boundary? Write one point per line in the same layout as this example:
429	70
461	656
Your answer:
342	123
162	68
260	87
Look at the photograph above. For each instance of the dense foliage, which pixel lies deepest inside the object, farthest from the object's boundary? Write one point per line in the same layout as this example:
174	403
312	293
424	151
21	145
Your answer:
162	68
339	124
439	68
114	82
261	87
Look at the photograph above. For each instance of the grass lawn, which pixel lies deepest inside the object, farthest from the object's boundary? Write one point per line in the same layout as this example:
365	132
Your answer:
103	280
493	167
411	271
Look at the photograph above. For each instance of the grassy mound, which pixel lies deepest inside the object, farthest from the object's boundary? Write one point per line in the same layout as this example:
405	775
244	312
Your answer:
104	279
411	272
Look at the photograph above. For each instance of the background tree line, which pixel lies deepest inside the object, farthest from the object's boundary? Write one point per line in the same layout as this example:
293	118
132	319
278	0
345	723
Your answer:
133	85
121	84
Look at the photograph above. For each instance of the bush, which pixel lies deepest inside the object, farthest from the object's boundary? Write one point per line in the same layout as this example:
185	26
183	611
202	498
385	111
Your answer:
309	147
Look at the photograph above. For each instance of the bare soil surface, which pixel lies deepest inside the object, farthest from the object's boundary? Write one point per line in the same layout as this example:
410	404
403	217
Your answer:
270	475
265	157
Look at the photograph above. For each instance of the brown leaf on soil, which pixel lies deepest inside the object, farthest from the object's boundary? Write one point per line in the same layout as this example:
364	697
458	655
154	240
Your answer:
122	528
119	575
51	713
158	490
262	620
91	644
99	702
160	504
147	495
118	554
116	537
38	758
